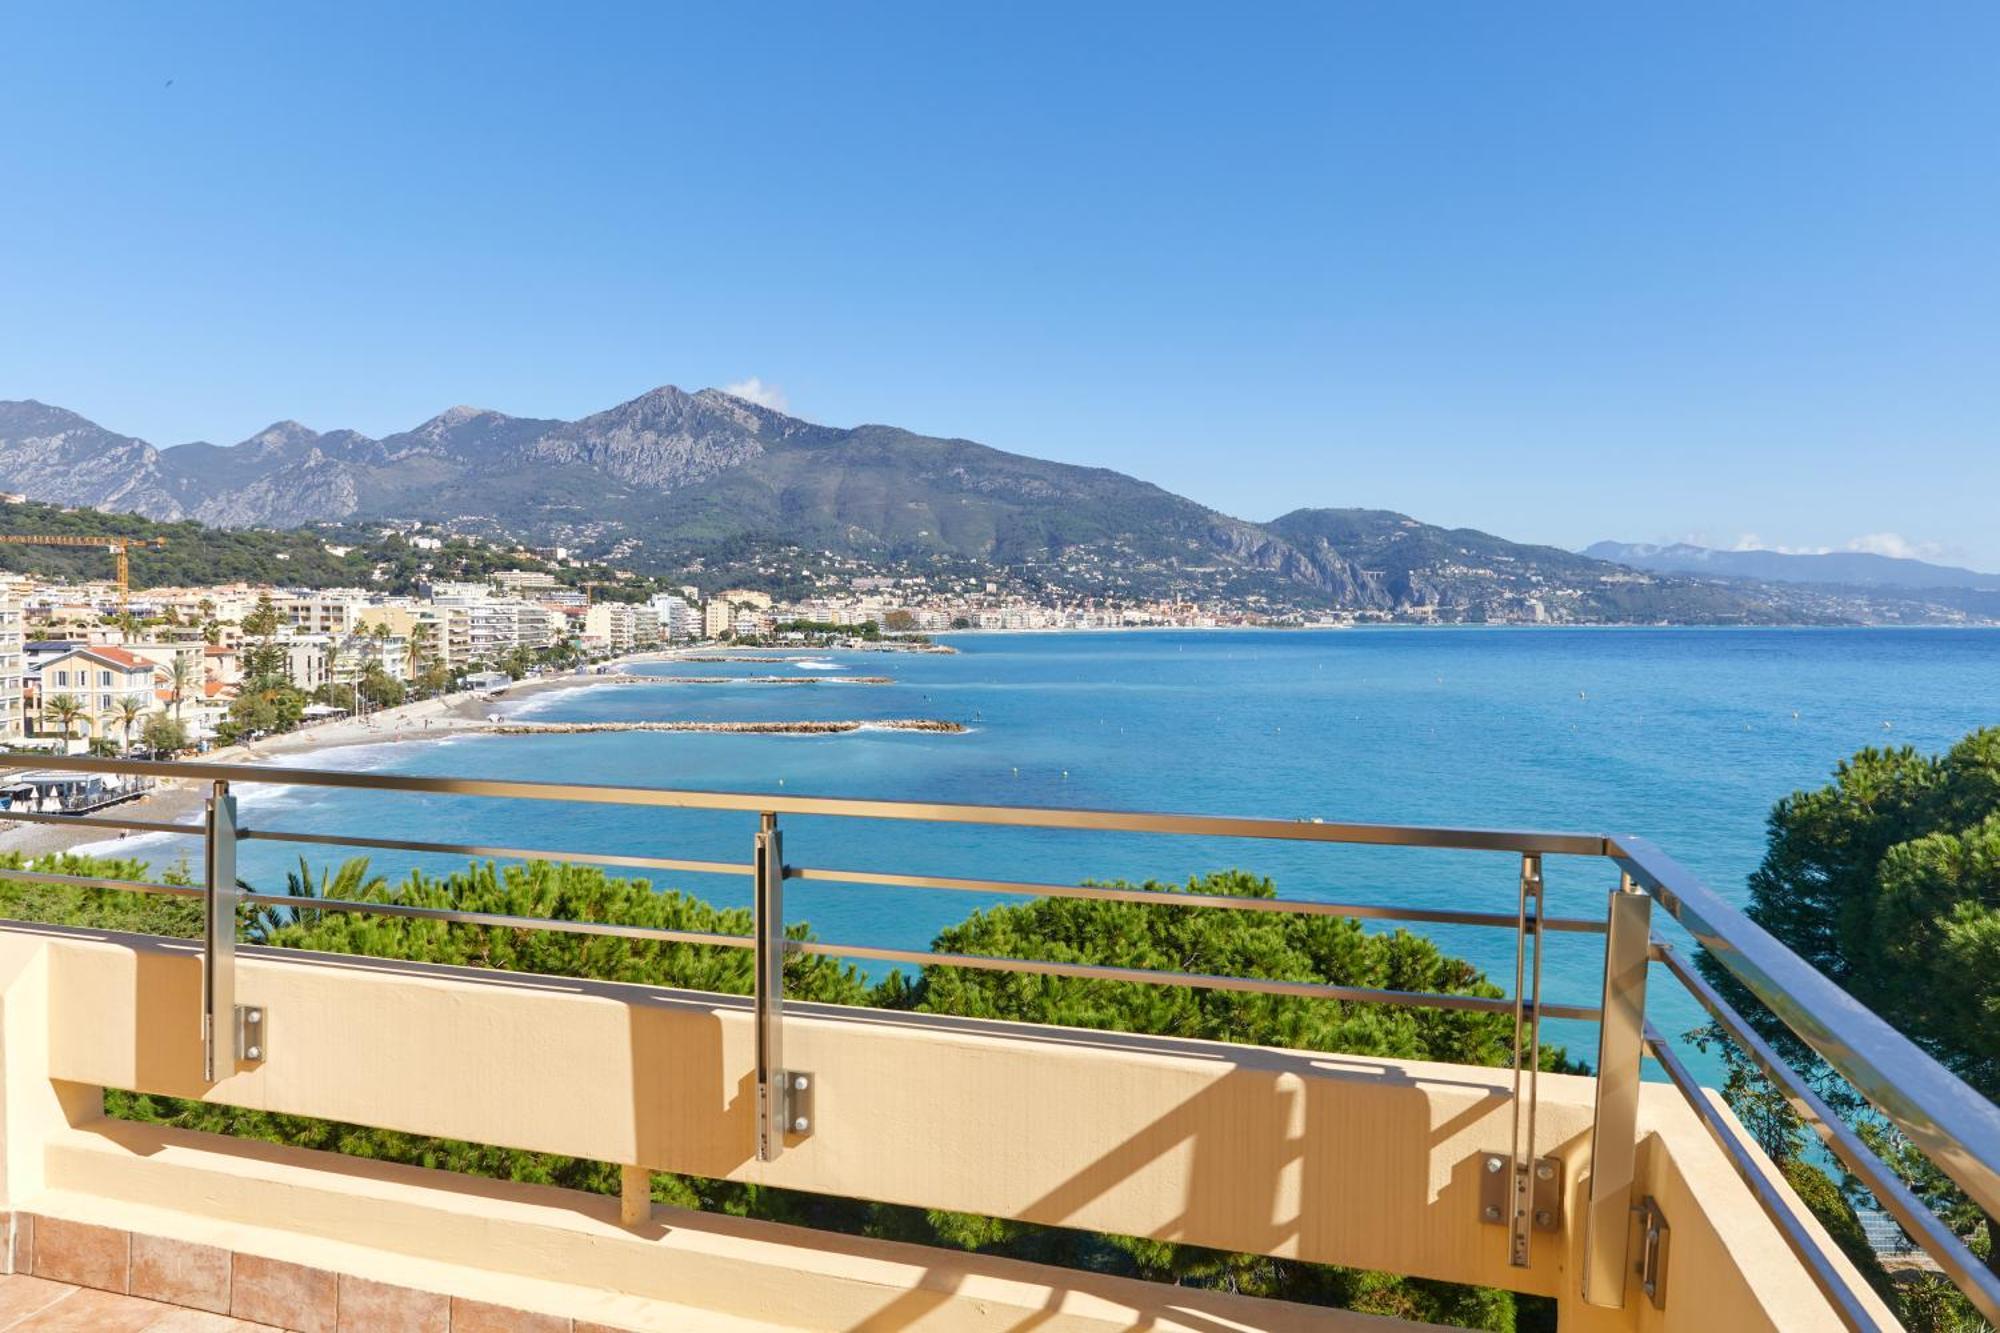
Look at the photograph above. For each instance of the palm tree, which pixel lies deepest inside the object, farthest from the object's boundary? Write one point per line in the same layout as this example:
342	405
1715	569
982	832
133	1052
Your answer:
66	710
183	678
129	708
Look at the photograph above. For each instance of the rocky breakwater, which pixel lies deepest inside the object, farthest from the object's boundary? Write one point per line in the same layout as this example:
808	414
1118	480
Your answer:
738	728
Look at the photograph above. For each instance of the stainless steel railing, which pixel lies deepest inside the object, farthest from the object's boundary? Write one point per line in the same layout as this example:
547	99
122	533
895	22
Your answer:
1952	1124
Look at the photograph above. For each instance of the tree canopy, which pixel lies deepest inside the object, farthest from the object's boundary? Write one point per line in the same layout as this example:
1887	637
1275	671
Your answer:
1887	880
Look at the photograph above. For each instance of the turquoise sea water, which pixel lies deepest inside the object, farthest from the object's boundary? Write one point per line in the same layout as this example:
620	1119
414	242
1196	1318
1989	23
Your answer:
1684	736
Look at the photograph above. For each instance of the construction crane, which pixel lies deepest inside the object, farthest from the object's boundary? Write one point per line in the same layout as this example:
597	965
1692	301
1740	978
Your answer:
116	545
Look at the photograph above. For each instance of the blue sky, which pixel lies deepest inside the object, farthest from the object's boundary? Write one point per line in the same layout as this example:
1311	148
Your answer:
1560	272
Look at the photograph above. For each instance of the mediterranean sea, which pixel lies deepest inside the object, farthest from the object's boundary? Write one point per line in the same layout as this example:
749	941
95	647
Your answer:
1684	736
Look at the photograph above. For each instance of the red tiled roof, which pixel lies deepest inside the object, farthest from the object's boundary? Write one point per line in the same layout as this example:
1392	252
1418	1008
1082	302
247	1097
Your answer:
114	656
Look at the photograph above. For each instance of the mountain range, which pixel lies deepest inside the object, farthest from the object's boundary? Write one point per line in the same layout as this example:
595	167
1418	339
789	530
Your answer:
671	476
1862	569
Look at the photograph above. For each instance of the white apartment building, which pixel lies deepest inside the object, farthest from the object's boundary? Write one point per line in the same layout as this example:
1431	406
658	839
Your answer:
355	654
308	660
524	582
622	626
13	721
336	611
679	619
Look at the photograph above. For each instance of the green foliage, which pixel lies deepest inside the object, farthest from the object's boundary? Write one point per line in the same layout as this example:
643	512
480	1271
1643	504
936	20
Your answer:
1888	881
1274	945
163	735
98	909
263	704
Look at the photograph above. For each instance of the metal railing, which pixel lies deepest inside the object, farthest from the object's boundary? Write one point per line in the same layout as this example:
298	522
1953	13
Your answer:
1949	1122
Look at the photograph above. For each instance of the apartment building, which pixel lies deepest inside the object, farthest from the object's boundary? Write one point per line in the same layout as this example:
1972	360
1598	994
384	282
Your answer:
679	617
97	680
524	582
336	611
622	626
13	723
356	654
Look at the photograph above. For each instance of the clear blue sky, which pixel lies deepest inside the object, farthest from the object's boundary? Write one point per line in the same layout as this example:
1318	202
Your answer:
1561	272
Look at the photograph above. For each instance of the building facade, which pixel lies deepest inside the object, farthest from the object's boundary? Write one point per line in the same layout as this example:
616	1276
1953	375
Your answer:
13	719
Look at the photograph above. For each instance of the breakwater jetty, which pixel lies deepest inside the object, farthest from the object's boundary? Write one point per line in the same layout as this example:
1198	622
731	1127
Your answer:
761	680
810	728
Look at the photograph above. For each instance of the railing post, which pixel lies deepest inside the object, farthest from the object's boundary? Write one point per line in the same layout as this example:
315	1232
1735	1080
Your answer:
1614	1133
1527	1059
769	864
219	900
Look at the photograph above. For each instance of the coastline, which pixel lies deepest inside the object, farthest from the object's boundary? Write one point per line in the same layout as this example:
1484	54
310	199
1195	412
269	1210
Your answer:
463	713
180	801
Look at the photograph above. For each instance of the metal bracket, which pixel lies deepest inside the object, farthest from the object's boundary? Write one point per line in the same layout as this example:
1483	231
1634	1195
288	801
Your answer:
1652	1265
1544	1187
800	1087
250	1041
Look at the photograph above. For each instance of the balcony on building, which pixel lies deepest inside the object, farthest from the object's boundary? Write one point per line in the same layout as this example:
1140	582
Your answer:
1632	1198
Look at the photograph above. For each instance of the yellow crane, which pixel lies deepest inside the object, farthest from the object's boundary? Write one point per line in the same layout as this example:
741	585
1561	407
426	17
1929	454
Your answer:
116	545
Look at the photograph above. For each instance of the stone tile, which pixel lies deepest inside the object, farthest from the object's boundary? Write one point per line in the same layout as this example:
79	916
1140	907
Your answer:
180	1272
271	1291
479	1317
91	1311
377	1307
21	1247
21	1296
200	1321
83	1254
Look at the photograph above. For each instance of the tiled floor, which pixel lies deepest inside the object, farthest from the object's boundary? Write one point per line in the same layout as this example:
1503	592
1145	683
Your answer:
49	1307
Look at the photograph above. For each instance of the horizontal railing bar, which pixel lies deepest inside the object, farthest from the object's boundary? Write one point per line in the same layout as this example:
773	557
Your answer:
1965	1268
1948	1121
499	853
81	821
1292	906
1310	990
1825	1276
98	882
1304	989
454	916
939	812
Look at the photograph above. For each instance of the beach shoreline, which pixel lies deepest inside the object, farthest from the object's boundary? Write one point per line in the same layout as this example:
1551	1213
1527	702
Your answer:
464	713
177	801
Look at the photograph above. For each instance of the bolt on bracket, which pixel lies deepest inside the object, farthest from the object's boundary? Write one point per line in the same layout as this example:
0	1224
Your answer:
1538	1187
798	1089
1652	1265
251	1044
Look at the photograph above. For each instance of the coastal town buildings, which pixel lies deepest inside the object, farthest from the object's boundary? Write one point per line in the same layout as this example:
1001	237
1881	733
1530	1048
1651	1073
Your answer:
678	614
622	626
12	642
95	682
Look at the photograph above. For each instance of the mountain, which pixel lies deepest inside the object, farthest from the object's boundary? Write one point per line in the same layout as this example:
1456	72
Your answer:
1377	559
1854	568
673	480
671	470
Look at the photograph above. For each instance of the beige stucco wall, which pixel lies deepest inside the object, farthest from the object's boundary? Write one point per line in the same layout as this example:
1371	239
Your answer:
1359	1161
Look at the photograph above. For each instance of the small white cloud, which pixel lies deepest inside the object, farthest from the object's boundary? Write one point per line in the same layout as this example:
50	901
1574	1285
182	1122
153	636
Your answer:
754	390
1891	544
1895	546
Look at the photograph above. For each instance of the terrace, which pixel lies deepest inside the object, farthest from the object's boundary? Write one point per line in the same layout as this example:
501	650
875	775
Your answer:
1634	1202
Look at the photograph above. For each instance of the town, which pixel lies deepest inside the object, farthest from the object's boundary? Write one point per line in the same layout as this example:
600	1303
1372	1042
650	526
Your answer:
97	667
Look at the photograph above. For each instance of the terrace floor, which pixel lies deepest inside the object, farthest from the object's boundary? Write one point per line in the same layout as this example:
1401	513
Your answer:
39	1304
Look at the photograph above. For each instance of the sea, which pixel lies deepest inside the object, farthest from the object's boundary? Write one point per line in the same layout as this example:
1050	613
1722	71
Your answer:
1685	736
